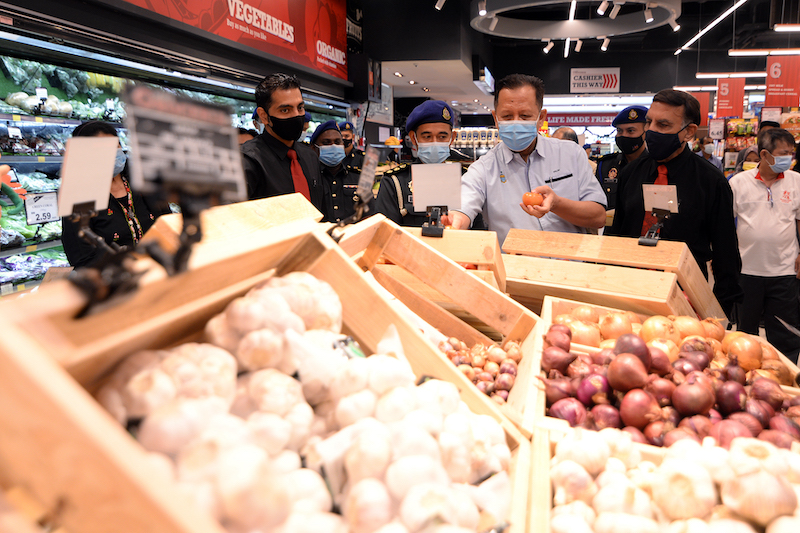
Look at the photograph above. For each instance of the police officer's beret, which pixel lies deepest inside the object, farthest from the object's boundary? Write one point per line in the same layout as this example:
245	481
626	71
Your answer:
347	126
308	116
429	112
630	115
325	126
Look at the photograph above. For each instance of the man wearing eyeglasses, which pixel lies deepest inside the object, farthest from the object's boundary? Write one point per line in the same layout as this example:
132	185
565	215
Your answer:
766	201
705	202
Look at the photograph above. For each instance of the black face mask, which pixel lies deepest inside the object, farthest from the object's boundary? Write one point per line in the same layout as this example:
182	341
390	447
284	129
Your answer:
288	129
347	142
662	145
629	145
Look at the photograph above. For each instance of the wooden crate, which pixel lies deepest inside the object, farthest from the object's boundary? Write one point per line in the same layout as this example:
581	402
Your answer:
530	279
81	465
667	256
378	238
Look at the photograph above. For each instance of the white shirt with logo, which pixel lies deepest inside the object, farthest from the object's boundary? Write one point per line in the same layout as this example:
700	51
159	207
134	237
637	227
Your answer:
766	225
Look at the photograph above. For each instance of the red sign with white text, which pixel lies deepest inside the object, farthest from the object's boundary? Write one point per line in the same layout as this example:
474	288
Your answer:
580	119
705	105
730	97
783	81
311	33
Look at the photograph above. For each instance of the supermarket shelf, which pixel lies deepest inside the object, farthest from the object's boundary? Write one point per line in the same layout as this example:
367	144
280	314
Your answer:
39	119
10	288
11	159
31	248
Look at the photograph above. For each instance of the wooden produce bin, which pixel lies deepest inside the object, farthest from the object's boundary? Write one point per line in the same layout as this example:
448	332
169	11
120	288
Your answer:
416	264
667	256
80	464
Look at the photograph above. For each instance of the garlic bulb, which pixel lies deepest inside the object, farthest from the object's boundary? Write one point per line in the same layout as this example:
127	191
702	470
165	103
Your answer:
622	498
173	425
274	392
642	476
429	503
615	465
587	448
312	299
351	378
307	491
407	471
571	482
408	439
759	496
355	407
727	525
784	524
455	457
577	508
566	523
621	446
368	456
611	477
312	523
624	523
395	404
368	506
430	422
748	455
682	490
438	396
269	431
387	372
692	525
792	459
393	527
262	348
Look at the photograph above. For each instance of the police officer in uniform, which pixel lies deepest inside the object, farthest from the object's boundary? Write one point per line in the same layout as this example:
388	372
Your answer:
430	126
339	183
354	158
630	139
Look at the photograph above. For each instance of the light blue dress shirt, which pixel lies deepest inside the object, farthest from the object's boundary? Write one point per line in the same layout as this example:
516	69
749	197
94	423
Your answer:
495	183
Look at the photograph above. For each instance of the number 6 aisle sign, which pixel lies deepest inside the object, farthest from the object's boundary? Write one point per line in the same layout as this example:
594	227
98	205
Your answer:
783	81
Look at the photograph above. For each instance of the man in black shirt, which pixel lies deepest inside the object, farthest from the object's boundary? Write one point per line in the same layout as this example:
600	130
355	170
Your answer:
339	182
630	140
274	163
354	158
705	201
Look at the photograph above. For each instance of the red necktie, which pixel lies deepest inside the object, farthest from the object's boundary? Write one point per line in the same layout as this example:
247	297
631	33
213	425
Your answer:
299	179
649	219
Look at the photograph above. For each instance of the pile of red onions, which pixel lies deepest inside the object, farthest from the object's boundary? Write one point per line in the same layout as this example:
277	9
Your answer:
491	368
659	397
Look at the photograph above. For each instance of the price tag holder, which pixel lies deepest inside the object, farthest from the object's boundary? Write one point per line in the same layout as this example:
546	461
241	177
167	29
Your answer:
14	132
41	93
716	128
41	208
109	104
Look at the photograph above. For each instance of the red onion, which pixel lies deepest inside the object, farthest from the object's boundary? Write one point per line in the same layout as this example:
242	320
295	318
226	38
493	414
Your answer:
603	357
684	366
727	430
502	393
794	401
461	360
635	434
504	382
692	398
714	416
592	390
569	409
731	398
767	390
578	368
778	438
761	410
748	421
563	328
793	412
485	387
671	415
600	370
639	408
697	344
627	372
734	372
633	344
704	379
654	432
698	424
484	376
556	389
699	359
671	437
554	358
605	416
780	422
659	361
509	367
661	389
556	336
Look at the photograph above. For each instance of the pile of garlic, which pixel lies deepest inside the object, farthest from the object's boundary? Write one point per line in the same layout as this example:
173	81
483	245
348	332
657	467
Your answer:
601	485
253	449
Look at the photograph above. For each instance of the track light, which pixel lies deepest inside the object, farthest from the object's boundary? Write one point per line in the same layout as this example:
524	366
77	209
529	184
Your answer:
578	45
493	23
482	8
615	11
440	4
566	48
602	9
549	46
713	23
675	26
572	7
605	44
648	15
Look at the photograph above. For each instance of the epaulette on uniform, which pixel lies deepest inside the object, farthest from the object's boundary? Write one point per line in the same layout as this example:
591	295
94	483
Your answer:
396	169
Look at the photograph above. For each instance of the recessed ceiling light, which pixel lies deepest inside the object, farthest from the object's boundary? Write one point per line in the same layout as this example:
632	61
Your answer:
398	74
477	101
411	82
426	89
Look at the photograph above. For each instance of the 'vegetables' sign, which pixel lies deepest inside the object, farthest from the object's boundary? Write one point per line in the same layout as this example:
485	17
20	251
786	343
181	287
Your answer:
594	80
783	81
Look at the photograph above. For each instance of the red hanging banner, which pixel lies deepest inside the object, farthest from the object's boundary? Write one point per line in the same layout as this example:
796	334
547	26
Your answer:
730	97
783	81
704	98
312	33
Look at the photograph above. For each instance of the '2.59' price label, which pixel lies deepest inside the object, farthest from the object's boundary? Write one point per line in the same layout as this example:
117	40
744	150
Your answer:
41	208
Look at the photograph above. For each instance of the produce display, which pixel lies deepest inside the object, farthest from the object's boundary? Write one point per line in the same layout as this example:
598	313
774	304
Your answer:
602	485
278	423
31	266
491	368
679	378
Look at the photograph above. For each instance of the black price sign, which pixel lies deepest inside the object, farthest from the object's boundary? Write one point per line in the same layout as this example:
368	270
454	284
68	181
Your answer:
41	208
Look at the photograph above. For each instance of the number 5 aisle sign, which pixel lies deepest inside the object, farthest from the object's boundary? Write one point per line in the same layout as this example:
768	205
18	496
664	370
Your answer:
783	81
730	97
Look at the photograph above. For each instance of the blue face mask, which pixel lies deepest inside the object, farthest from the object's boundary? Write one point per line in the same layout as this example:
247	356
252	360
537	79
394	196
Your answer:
119	161
518	134
433	152
782	163
331	155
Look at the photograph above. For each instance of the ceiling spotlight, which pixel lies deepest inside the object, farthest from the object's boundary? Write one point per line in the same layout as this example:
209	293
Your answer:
615	11
477	101
411	82
398	74
578	45
675	26
426	89
648	15
549	46
482	8
493	23
566	48
439	4
602	9
572	7
786	27
604	46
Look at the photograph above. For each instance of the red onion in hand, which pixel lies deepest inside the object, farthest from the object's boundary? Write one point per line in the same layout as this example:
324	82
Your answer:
569	409
627	372
639	408
692	398
731	398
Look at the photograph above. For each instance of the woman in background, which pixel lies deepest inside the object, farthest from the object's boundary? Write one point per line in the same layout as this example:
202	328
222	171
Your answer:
748	155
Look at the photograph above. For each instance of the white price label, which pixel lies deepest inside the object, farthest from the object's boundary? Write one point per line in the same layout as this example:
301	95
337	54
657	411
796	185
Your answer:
41	208
716	128
109	104
14	133
41	93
